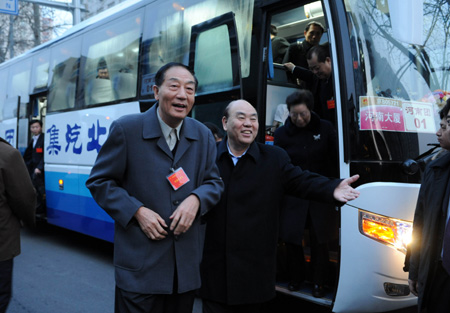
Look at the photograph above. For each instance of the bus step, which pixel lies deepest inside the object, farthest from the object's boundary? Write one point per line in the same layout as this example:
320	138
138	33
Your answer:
305	293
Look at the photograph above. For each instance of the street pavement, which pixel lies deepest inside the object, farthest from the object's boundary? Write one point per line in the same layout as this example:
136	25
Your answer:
63	271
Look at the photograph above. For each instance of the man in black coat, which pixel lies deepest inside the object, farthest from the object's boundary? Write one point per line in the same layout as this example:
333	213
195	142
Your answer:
34	159
319	80
239	259
428	279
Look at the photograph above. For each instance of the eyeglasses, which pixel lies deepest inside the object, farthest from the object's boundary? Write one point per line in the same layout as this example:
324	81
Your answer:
300	114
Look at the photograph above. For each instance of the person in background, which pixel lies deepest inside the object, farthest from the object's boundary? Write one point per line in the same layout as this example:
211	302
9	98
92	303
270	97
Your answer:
215	130
429	252
239	261
297	53
102	69
34	159
281	114
311	143
156	177
319	80
17	202
279	45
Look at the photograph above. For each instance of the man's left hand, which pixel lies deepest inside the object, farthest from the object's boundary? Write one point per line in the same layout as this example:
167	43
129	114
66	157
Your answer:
344	192
184	215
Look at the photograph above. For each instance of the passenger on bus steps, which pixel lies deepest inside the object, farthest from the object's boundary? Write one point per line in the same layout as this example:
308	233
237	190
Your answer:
156	177
17	202
428	257
311	144
34	159
279	45
319	80
238	267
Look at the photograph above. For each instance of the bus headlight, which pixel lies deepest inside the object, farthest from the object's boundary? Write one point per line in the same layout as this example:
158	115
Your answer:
387	230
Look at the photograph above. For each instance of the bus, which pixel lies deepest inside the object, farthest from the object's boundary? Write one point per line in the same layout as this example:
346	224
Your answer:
390	67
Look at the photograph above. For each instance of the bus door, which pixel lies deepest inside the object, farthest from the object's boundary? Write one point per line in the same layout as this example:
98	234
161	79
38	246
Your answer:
287	24
214	56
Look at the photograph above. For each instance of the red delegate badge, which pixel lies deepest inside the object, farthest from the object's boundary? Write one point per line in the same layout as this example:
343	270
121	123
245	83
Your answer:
178	178
39	150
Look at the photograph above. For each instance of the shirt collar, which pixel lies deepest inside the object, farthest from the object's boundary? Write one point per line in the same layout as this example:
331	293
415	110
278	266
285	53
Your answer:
166	129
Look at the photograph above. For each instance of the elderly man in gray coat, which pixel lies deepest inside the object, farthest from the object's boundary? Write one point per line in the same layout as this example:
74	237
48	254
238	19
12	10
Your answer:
156	190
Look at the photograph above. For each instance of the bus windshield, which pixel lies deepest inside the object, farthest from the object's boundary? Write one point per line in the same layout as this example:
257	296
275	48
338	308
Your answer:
401	70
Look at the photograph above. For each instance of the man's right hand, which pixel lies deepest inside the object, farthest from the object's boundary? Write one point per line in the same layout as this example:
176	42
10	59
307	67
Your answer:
413	287
151	223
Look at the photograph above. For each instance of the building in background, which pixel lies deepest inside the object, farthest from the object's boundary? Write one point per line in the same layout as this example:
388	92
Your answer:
36	24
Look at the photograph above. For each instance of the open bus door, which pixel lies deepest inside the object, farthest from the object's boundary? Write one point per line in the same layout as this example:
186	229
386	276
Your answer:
214	56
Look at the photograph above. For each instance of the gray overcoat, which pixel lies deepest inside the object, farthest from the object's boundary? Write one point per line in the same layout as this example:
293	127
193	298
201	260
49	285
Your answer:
131	171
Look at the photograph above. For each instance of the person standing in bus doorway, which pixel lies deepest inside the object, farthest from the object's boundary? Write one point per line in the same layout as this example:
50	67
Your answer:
279	45
34	159
156	177
239	260
311	143
17	202
297	53
429	260
319	80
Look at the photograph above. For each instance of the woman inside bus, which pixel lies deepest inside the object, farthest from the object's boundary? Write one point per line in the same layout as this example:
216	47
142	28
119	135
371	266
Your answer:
311	144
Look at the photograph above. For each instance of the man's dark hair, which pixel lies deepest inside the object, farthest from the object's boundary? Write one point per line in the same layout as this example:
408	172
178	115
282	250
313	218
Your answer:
273	30
444	111
214	129
101	65
316	24
35	121
302	96
321	52
160	75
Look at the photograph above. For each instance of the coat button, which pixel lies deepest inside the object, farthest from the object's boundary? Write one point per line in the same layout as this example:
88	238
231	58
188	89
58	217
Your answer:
176	202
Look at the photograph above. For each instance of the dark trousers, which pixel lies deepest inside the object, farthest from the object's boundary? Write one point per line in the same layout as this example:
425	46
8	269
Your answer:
216	307
439	300
130	302
6	268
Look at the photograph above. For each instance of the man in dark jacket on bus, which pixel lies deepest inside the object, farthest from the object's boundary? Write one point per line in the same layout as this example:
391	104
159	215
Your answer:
429	263
17	202
238	267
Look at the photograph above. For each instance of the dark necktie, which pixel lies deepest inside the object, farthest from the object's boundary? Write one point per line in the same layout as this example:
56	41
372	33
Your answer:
446	253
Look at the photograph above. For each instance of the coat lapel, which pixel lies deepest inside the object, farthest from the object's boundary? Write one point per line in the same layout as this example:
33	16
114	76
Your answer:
152	130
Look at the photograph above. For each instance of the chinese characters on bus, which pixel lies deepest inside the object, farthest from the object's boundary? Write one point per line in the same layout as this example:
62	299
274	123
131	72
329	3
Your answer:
74	143
388	114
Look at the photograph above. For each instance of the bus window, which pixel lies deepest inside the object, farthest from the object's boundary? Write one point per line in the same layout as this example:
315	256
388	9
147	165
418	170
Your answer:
19	80
111	61
63	75
402	80
39	74
3	78
167	35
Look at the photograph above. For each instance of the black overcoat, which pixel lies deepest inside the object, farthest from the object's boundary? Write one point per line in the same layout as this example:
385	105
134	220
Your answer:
429	223
239	260
313	148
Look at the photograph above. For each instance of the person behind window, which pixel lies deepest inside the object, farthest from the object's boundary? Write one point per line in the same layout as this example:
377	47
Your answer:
311	144
279	45
102	69
34	159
